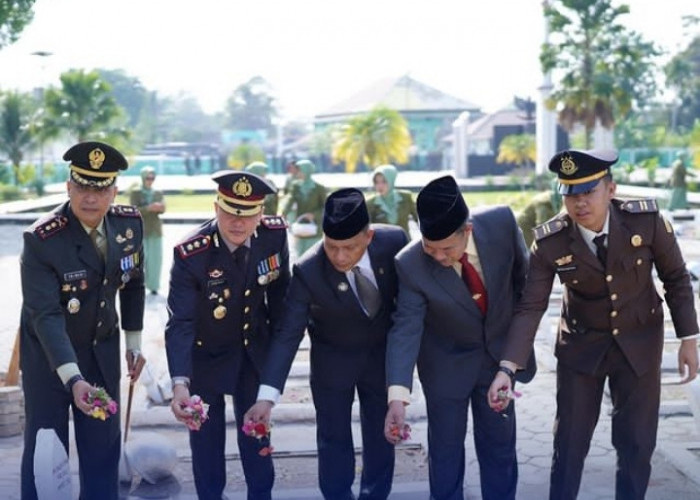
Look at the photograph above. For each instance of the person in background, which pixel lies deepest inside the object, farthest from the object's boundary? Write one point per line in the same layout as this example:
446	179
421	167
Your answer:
271	200
678	184
74	262
611	330
348	343
306	198
390	205
227	286
151	204
541	208
458	286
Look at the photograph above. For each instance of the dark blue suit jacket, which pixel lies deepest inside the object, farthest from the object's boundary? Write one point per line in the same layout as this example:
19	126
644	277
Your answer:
438	325
203	280
345	343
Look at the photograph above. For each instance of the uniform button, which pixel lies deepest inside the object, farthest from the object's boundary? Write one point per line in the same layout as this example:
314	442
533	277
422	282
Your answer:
94	342
73	289
613	314
199	343
102	303
653	310
613	296
615	331
105	281
99	324
245	342
246	326
639	262
573	321
247	292
608	278
575	282
246	310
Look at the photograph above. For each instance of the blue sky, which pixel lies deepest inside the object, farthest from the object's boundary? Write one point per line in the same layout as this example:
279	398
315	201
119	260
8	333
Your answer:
313	52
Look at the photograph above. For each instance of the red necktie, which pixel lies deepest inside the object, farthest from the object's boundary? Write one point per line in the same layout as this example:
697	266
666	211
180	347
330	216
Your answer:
474	284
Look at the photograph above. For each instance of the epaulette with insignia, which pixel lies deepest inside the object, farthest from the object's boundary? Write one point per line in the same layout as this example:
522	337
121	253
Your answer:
639	206
274	222
125	211
194	246
549	228
49	227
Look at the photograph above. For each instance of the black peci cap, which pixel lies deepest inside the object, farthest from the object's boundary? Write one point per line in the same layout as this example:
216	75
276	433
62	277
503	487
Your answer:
580	171
441	208
345	214
94	164
241	193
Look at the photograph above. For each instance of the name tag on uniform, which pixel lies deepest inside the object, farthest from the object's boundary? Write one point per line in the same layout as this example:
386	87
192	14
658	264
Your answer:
75	275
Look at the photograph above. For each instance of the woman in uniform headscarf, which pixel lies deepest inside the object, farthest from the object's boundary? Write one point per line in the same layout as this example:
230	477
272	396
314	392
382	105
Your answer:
390	205
271	200
309	197
151	204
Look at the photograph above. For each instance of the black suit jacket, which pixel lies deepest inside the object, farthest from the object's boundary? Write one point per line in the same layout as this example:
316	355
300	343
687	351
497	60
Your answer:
215	313
438	325
69	309
344	341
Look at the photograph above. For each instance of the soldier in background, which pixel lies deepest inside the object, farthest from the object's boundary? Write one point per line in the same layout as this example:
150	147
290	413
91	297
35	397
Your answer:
541	208
271	200
74	262
678	184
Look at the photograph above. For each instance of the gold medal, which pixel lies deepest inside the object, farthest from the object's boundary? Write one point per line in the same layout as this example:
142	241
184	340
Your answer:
263	279
220	312
636	240
73	306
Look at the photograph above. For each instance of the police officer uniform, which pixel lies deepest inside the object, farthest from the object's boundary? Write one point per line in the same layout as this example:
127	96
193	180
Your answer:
70	322
222	308
611	324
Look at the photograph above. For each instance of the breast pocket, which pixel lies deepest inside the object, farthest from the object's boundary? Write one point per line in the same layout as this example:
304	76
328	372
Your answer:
639	263
572	276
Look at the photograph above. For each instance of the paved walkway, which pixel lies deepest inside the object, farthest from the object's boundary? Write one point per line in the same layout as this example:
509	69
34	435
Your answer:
676	472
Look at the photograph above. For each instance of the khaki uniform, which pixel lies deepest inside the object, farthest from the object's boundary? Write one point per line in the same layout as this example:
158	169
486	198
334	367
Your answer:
405	209
538	211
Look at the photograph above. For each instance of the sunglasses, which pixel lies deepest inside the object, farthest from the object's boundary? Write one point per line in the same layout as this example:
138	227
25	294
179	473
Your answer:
150	178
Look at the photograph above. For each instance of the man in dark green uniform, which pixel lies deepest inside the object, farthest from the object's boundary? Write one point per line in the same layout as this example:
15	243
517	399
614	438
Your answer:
678	184
73	263
541	208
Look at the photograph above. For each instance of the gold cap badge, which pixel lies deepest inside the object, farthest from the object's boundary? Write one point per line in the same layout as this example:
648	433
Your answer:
97	158
242	187
568	167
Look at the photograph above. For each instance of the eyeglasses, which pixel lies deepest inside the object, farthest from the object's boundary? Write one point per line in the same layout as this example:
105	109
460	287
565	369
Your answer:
150	178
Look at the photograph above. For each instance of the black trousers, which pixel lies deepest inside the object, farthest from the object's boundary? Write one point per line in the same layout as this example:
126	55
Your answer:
336	452
208	443
634	424
494	441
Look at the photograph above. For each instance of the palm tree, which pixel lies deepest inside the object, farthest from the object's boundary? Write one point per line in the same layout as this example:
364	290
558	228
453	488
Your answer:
603	68
83	106
519	149
15	129
377	137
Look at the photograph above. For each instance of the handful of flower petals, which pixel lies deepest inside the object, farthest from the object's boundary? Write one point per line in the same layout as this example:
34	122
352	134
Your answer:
198	412
260	431
404	434
102	406
503	396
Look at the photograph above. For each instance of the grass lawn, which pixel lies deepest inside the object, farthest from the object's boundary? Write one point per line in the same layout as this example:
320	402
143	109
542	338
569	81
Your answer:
204	202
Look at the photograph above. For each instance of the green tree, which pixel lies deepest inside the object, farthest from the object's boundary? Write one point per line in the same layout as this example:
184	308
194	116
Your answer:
15	15
182	119
15	130
128	92
243	154
519	149
603	69
377	137
251	107
84	107
683	76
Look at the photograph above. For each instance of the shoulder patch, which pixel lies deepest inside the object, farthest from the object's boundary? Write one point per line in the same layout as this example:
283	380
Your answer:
49	227
549	228
124	211
193	246
639	206
274	222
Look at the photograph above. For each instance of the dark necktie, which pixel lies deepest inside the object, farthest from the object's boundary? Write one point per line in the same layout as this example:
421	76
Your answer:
474	284
601	250
367	293
98	243
240	256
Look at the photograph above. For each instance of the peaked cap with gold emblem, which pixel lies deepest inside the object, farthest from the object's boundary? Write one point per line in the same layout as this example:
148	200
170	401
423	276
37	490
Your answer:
94	164
241	193
580	171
